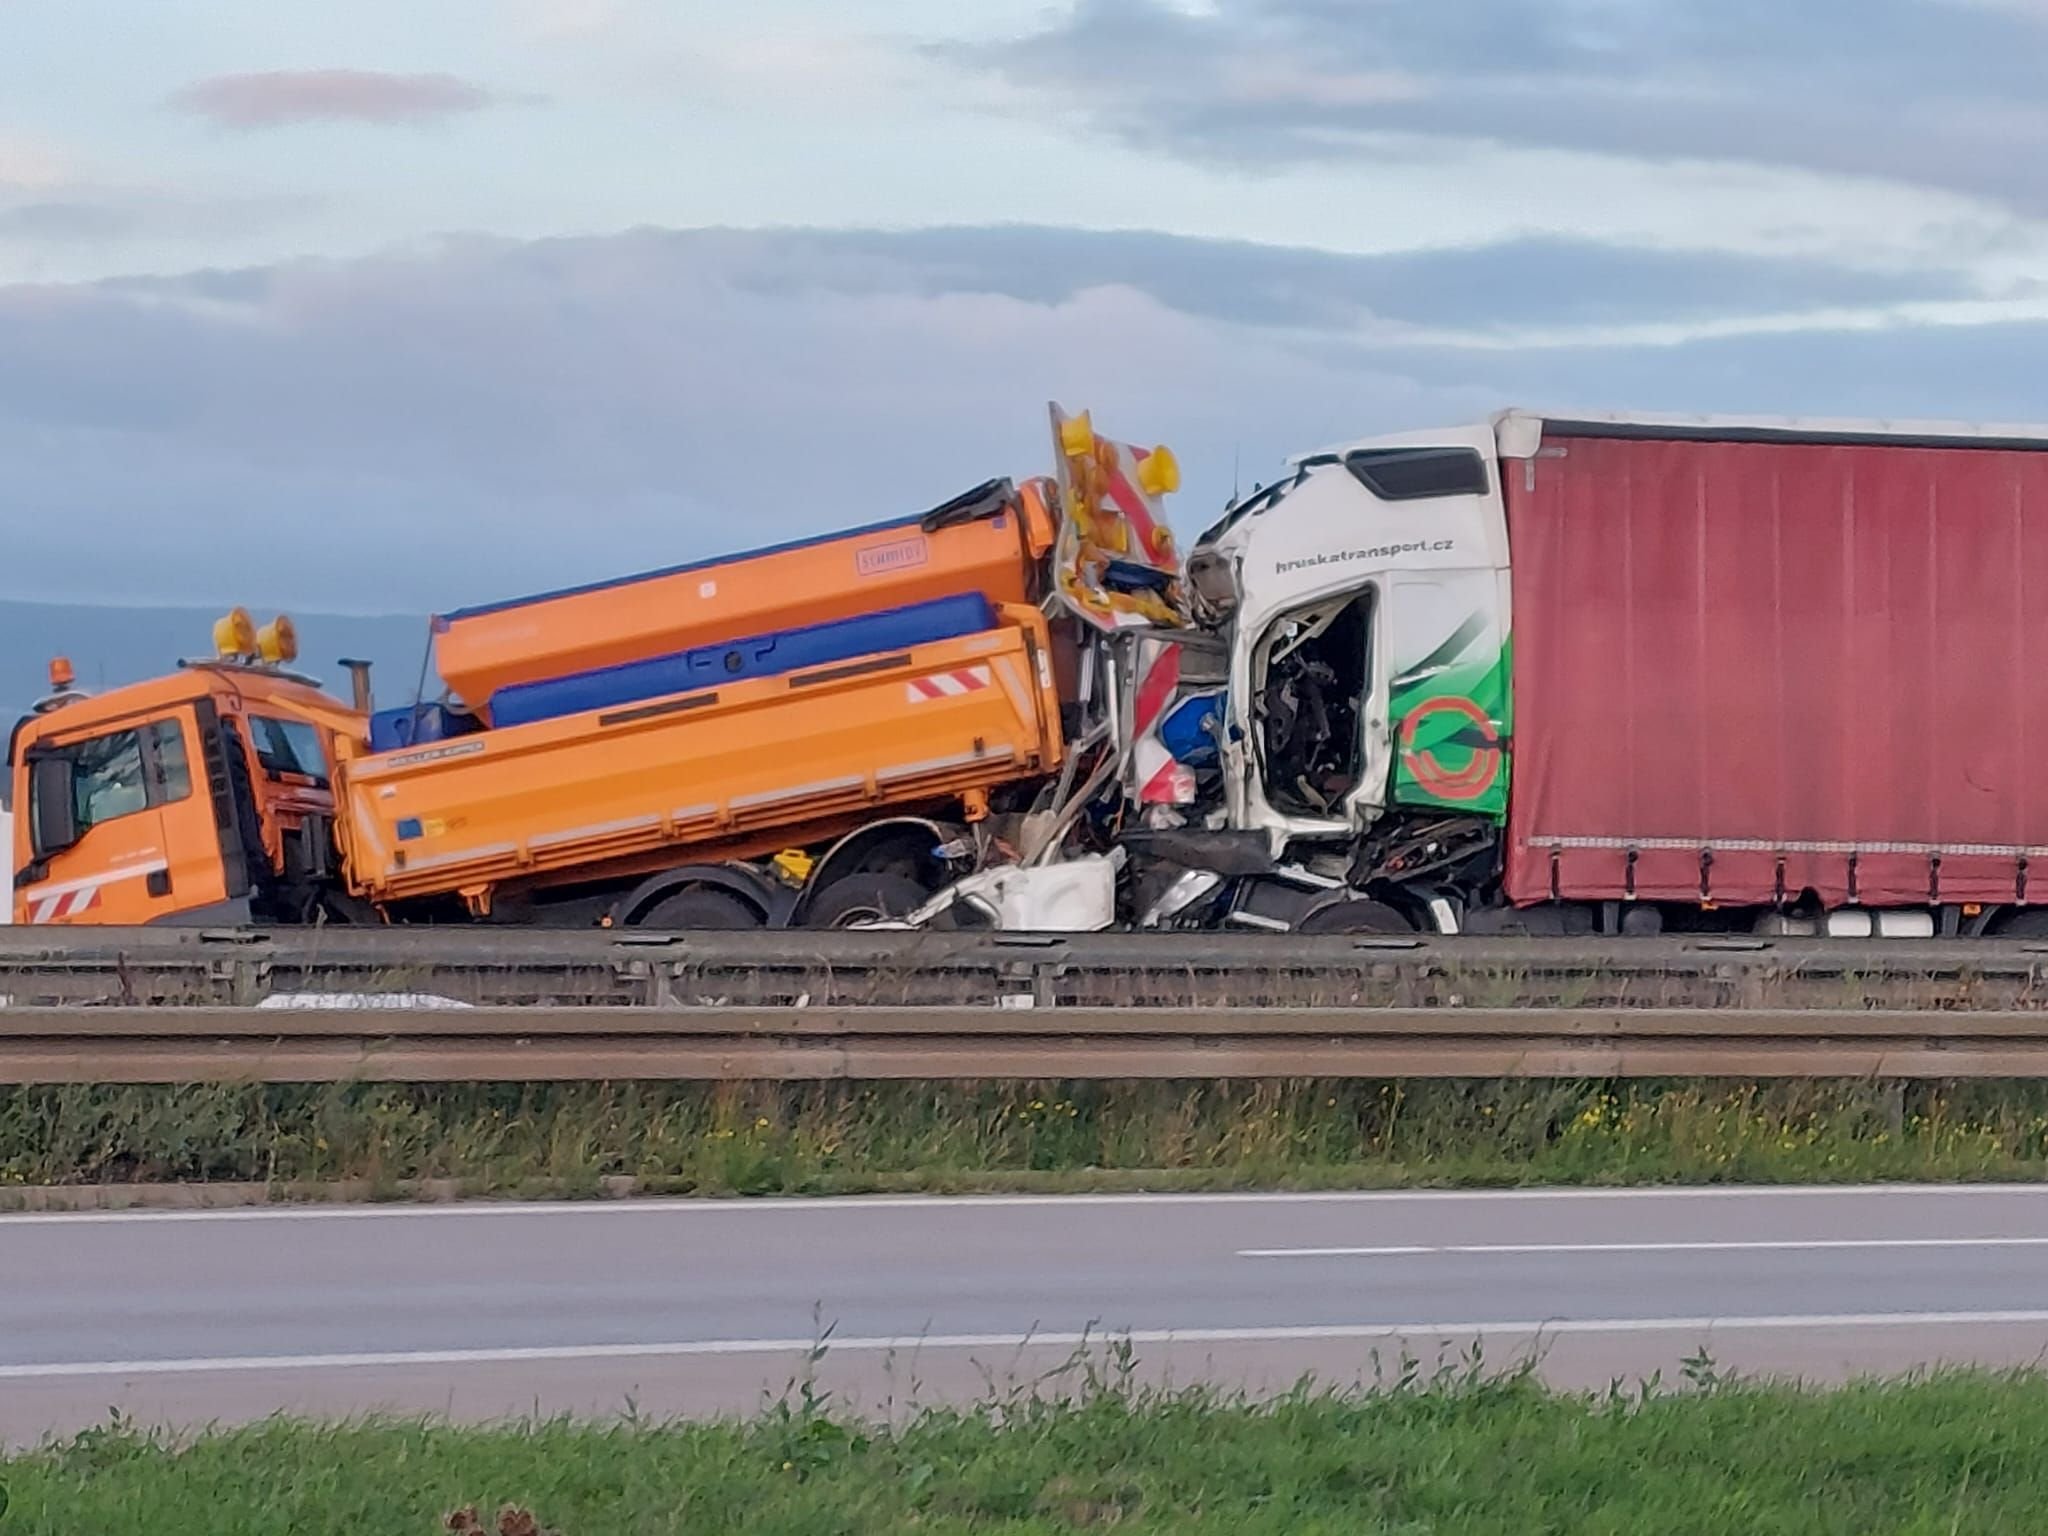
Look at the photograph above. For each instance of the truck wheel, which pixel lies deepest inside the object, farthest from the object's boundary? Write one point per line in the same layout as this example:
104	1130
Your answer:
700	906
336	910
863	899
1355	917
2027	923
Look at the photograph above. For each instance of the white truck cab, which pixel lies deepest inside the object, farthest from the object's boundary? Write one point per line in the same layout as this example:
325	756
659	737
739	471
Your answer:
1368	604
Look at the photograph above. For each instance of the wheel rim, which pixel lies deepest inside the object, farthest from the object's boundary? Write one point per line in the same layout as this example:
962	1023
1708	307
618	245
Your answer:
871	913
1360	917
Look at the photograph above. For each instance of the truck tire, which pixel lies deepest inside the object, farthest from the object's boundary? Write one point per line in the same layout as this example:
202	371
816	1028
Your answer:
338	910
700	906
1354	917
863	898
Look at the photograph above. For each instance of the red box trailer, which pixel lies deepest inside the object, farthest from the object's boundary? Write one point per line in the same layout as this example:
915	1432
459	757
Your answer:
1755	662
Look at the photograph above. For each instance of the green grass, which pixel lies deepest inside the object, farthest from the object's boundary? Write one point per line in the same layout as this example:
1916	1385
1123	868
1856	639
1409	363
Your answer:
763	1138
1464	1454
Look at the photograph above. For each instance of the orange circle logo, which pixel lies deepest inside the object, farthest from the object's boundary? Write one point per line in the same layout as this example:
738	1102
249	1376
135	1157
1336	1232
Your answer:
1475	733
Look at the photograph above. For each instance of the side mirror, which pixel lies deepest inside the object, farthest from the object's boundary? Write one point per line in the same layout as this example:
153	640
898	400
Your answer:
55	824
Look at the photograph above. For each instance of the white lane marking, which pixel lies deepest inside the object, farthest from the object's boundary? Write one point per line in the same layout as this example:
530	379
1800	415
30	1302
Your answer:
1733	1246
629	1205
910	1343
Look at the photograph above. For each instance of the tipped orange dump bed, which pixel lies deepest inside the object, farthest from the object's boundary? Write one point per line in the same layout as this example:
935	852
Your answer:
735	771
993	551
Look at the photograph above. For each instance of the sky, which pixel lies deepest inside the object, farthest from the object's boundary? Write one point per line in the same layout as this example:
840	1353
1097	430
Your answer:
393	307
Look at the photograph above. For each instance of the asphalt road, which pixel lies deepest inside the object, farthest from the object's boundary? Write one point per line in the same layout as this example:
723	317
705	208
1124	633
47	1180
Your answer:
483	1311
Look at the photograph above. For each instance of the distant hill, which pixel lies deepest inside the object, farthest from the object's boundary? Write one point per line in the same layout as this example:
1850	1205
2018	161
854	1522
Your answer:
109	646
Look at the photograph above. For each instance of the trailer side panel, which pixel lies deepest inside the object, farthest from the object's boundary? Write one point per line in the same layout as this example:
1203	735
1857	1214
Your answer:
1748	669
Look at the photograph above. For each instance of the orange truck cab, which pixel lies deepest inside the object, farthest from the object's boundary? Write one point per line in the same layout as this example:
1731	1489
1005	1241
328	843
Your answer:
201	797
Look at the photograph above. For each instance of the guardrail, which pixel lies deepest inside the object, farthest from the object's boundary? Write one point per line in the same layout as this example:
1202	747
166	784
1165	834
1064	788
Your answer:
113	966
410	1044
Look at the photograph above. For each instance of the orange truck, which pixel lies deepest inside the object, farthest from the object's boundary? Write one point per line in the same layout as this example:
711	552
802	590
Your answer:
201	796
814	734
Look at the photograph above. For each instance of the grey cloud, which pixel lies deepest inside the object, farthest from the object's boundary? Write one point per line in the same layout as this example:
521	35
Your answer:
279	98
1548	281
487	417
1980	373
121	217
1930	91
125	224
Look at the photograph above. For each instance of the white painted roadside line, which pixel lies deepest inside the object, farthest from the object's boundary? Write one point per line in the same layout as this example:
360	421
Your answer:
1789	1245
912	1343
630	1206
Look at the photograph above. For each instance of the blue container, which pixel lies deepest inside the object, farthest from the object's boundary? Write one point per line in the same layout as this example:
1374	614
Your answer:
732	661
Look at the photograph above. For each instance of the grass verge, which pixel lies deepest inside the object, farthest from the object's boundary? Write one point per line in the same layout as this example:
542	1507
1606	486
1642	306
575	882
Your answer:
1464	1453
767	1138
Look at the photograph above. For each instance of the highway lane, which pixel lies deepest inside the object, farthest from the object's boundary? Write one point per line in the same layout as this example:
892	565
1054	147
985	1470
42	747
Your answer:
485	1310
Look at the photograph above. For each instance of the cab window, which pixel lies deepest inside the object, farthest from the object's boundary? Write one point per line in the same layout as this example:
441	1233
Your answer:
1414	474
288	746
123	772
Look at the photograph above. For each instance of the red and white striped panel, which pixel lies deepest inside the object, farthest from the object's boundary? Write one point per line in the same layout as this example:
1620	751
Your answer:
1161	779
1158	681
947	685
1156	777
79	897
65	904
1145	514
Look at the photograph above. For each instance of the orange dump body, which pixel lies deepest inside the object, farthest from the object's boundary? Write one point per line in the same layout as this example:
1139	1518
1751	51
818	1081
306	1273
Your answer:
735	771
479	651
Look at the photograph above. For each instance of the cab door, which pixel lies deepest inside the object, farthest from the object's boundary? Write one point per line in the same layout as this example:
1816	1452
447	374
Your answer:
130	788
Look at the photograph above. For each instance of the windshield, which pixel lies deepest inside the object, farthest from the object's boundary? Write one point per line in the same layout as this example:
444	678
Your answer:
1258	501
288	746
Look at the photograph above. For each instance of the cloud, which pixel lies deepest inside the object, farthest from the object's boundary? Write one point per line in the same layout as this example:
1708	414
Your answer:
1936	92
281	98
51	207
93	215
1548	281
1971	373
486	417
